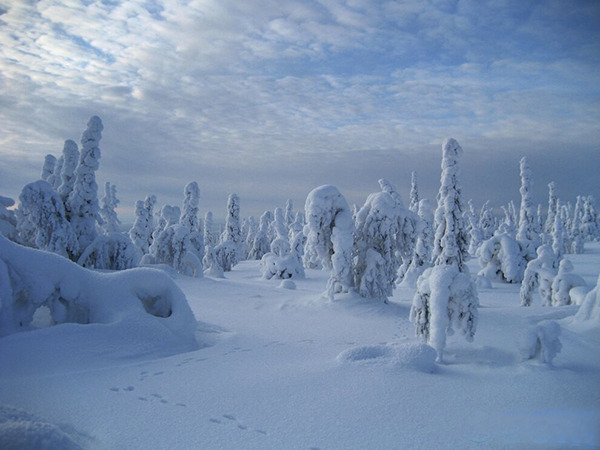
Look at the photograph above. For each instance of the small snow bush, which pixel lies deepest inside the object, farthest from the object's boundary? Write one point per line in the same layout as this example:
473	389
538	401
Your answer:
212	268
590	307
543	343
502	258
539	272
174	247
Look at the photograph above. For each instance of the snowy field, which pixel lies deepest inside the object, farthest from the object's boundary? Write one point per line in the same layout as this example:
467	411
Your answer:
280	368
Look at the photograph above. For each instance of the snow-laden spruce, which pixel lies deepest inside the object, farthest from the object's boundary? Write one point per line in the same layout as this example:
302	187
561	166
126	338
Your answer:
526	233
562	284
231	249
329	230
143	226
446	299
67	175
43	208
8	219
379	239
108	210
48	167
82	204
539	273
191	220
421	259
110	251
146	299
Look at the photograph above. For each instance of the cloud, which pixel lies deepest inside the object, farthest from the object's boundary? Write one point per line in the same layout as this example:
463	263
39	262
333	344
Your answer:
272	97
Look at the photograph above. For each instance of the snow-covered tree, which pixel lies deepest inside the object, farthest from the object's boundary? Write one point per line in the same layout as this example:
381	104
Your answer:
526	234
329	230
209	230
475	233
108	210
174	247
251	228
191	220
8	220
376	247
261	244
502	259
212	268
589	228
48	167
414	193
43	208
289	213
422	255
552	208
54	178
297	225
231	254
82	204
487	223
576	233
543	342
67	174
538	270
446	298
141	231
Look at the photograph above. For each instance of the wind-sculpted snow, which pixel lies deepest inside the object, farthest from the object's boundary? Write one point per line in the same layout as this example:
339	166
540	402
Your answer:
31	278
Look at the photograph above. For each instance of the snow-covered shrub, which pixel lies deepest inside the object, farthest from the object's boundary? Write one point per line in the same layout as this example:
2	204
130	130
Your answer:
446	298
107	211
174	247
564	281
112	251
82	204
145	298
8	219
502	258
261	243
226	255
329	232
543	343
286	266
42	207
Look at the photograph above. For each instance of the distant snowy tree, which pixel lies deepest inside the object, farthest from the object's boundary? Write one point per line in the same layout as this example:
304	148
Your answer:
174	247
538	270
209	230
502	259
446	298
191	220
296	226
589	228
558	234
414	193
67	174
329	231
44	209
143	226
422	256
261	244
212	268
552	208
576	233
289	213
108	210
167	216
82	203
231	254
486	221
8	220
475	232
110	251
509	223
48	167
251	228
526	233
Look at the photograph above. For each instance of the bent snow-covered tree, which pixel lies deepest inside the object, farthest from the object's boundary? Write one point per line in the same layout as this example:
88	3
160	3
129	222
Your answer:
329	229
446	298
526	234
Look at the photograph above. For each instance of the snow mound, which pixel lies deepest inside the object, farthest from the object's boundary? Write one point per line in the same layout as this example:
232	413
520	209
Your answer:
419	357
287	284
139	298
543	343
21	430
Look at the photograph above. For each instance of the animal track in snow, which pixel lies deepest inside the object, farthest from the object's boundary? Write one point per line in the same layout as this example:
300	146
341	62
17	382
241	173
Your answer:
234	421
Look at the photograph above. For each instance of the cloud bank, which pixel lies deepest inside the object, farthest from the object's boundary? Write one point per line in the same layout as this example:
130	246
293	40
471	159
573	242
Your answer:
270	99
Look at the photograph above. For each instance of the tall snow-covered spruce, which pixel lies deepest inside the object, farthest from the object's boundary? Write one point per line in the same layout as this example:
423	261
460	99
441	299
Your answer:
526	234
446	298
82	204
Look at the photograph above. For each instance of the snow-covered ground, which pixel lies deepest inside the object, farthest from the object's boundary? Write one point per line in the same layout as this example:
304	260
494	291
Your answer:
281	368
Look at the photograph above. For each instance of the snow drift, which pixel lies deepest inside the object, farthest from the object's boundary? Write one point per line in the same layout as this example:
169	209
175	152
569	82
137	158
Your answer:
31	279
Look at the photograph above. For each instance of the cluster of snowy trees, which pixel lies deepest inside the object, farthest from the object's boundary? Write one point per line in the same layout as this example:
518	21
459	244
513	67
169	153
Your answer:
368	250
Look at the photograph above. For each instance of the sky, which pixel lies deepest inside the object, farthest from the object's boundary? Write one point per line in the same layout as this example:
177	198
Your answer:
270	99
